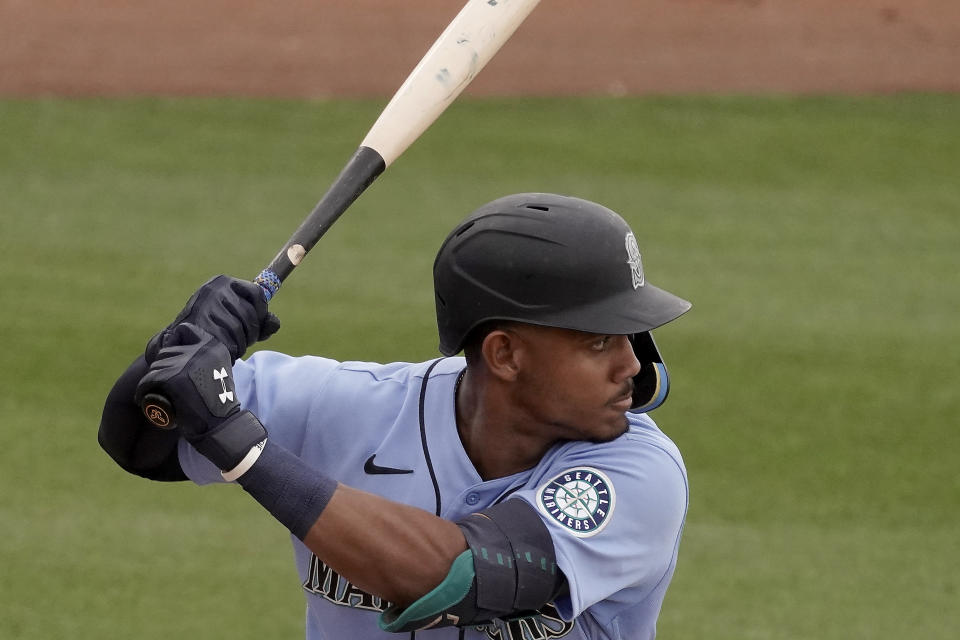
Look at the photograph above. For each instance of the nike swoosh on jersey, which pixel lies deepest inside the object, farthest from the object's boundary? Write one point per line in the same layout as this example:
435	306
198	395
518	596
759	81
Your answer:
375	469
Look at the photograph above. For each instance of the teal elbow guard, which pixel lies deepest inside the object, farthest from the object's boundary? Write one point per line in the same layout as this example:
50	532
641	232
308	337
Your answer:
509	571
442	607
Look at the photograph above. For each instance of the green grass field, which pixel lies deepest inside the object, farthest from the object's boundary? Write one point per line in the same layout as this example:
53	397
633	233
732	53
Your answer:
815	380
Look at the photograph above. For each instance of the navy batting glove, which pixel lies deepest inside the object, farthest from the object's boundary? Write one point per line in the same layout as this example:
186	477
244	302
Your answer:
193	371
233	311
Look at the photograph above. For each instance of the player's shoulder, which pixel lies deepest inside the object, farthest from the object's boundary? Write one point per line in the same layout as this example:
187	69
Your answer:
401	372
643	453
644	432
386	383
277	363
637	483
328	379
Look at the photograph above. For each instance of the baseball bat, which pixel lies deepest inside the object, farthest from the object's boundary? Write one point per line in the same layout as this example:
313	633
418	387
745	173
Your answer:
471	39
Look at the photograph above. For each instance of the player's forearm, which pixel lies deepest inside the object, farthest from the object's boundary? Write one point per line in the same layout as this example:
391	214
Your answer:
389	549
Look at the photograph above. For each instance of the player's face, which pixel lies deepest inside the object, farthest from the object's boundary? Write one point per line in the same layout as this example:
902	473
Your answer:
574	384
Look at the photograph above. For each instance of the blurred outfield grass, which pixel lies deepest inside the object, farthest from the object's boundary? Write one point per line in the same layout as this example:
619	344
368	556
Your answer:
815	381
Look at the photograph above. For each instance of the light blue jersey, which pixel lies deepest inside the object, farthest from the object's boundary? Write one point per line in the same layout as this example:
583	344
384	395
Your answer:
615	510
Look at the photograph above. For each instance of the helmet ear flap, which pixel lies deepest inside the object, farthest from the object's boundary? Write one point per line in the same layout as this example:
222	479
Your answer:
652	384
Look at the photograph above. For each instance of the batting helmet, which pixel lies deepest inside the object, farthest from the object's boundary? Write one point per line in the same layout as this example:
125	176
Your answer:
554	261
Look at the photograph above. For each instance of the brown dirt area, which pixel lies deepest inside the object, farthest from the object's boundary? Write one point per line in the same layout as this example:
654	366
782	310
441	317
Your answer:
320	48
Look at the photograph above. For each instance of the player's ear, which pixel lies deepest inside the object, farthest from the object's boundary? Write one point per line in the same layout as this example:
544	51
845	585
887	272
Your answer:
502	351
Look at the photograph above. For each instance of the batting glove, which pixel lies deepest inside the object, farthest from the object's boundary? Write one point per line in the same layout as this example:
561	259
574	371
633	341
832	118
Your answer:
193	372
234	311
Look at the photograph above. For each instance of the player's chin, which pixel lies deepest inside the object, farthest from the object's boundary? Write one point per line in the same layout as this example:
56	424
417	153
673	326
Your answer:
611	429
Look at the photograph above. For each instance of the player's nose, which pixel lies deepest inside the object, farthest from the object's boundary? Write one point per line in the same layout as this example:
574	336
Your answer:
627	366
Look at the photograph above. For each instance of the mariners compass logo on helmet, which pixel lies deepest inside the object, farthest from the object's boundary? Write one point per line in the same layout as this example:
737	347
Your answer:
580	499
633	259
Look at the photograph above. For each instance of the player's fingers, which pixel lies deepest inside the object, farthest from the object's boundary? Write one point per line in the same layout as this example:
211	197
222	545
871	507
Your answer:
153	347
259	322
271	324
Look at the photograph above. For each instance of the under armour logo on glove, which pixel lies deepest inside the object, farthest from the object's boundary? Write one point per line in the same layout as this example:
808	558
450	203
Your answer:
221	376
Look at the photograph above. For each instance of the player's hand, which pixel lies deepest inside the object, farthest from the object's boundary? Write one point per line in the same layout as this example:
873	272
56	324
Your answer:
234	311
193	371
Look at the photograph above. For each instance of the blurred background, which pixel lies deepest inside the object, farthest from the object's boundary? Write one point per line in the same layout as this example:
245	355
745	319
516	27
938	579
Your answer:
790	167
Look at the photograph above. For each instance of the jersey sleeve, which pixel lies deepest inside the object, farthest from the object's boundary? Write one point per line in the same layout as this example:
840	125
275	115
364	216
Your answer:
615	513
281	391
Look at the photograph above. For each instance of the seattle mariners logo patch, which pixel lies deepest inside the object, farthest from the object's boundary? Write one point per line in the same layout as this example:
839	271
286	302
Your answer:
633	259
580	499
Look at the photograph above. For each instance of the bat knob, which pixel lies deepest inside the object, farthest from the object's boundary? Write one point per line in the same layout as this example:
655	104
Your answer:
158	411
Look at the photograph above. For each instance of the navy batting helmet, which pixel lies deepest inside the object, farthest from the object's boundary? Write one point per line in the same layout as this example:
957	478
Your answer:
554	261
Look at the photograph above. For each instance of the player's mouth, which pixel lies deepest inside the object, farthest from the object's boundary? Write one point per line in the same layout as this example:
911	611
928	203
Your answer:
623	401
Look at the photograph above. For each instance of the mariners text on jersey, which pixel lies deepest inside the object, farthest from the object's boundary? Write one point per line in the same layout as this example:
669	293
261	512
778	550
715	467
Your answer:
324	582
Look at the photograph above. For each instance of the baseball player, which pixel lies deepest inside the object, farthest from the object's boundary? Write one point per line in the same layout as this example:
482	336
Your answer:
517	492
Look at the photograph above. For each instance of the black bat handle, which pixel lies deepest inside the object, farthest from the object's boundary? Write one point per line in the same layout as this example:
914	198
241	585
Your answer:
358	174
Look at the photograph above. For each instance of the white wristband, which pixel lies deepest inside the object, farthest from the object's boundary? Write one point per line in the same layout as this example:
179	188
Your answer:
252	456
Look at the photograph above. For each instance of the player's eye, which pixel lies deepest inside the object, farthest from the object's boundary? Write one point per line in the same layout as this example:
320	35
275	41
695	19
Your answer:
601	343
